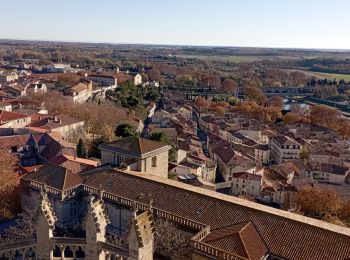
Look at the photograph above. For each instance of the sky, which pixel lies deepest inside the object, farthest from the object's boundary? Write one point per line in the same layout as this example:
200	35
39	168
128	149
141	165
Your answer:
247	23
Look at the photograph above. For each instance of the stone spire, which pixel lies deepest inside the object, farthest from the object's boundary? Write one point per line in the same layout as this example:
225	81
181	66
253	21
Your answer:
96	223
141	237
45	226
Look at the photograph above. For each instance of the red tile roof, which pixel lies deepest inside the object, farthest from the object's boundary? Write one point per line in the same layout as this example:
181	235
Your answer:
6	116
285	234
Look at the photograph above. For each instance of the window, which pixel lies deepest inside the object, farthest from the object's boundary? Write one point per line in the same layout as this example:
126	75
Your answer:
154	161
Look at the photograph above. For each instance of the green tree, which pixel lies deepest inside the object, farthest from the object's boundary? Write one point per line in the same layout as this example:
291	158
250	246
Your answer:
82	150
125	130
132	101
161	137
94	151
233	101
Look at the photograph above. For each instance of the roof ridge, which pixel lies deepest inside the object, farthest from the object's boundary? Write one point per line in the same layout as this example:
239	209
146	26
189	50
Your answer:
65	178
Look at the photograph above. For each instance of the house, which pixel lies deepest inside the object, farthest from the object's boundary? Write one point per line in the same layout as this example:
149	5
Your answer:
284	149
5	106
246	184
51	145
185	168
137	79
282	196
330	172
13	119
186	111
137	154
161	118
208	122
80	92
39	88
230	161
60	180
262	153
24	147
62	124
104	80
327	157
57	68
8	77
150	109
74	163
207	170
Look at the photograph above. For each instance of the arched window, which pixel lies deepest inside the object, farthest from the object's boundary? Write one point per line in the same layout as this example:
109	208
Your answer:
57	252
79	254
68	252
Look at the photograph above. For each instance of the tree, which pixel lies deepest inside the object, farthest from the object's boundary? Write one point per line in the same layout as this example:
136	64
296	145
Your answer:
233	101
82	150
9	184
305	155
324	115
298	108
125	130
211	81
255	94
277	101
162	138
25	228
94	151
202	103
64	81
169	240
154	74
318	203
293	118
132	101
229	86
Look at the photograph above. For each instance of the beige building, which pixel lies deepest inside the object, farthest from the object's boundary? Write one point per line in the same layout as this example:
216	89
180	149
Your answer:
137	79
104	80
7	77
13	119
262	153
284	149
80	92
64	125
137	154
5	106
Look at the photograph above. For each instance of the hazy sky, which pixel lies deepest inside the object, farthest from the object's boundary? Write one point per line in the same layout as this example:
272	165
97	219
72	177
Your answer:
264	23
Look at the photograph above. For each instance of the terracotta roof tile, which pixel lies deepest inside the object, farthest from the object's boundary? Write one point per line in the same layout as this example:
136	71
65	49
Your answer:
285	234
55	176
133	146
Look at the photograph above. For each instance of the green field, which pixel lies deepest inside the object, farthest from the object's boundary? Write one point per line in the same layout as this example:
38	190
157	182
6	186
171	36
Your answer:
322	75
331	75
234	58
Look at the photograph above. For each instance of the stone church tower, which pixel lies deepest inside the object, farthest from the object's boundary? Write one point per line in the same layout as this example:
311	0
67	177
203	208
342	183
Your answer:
141	236
45	226
96	222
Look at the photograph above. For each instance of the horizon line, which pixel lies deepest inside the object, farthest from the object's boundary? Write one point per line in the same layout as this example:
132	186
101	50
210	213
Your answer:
179	45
